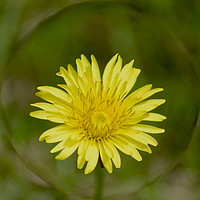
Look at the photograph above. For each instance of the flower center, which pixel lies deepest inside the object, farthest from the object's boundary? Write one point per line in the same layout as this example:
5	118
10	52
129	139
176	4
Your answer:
100	119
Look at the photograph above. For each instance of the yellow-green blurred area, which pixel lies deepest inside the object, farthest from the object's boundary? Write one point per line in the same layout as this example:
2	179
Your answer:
37	37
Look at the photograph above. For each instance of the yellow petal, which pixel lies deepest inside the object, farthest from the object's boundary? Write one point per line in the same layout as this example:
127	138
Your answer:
124	146
95	69
132	79
47	96
116	157
148	128
64	73
39	114
47	115
51	98
136	118
56	118
73	75
121	89
83	146
121	145
58	147
81	152
107	148
77	135
154	117
133	143
64	108
56	92
108	72
149	139
105	158
135	154
139	136
45	106
68	150
85	61
93	158
73	92
126	74
81	161
139	92
58	137
83	86
96	74
80	67
113	87
151	92
53	131
149	105
90	149
116	70
135	96
89	79
125	71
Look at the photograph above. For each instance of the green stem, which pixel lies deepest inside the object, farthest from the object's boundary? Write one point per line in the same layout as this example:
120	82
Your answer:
99	182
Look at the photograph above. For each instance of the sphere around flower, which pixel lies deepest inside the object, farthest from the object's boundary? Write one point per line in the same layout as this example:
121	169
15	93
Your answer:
99	117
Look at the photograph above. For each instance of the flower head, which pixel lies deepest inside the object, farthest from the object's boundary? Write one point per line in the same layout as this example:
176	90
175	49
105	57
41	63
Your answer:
99	117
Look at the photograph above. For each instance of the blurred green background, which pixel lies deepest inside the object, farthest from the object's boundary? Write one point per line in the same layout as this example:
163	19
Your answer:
36	37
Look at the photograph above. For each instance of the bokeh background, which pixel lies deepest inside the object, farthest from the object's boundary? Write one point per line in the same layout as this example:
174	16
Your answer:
36	37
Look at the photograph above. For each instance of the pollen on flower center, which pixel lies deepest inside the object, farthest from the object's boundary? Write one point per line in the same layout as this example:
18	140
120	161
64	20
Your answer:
98	124
100	119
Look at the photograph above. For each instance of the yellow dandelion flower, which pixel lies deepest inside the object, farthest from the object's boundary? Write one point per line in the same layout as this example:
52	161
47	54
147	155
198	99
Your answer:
99	117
